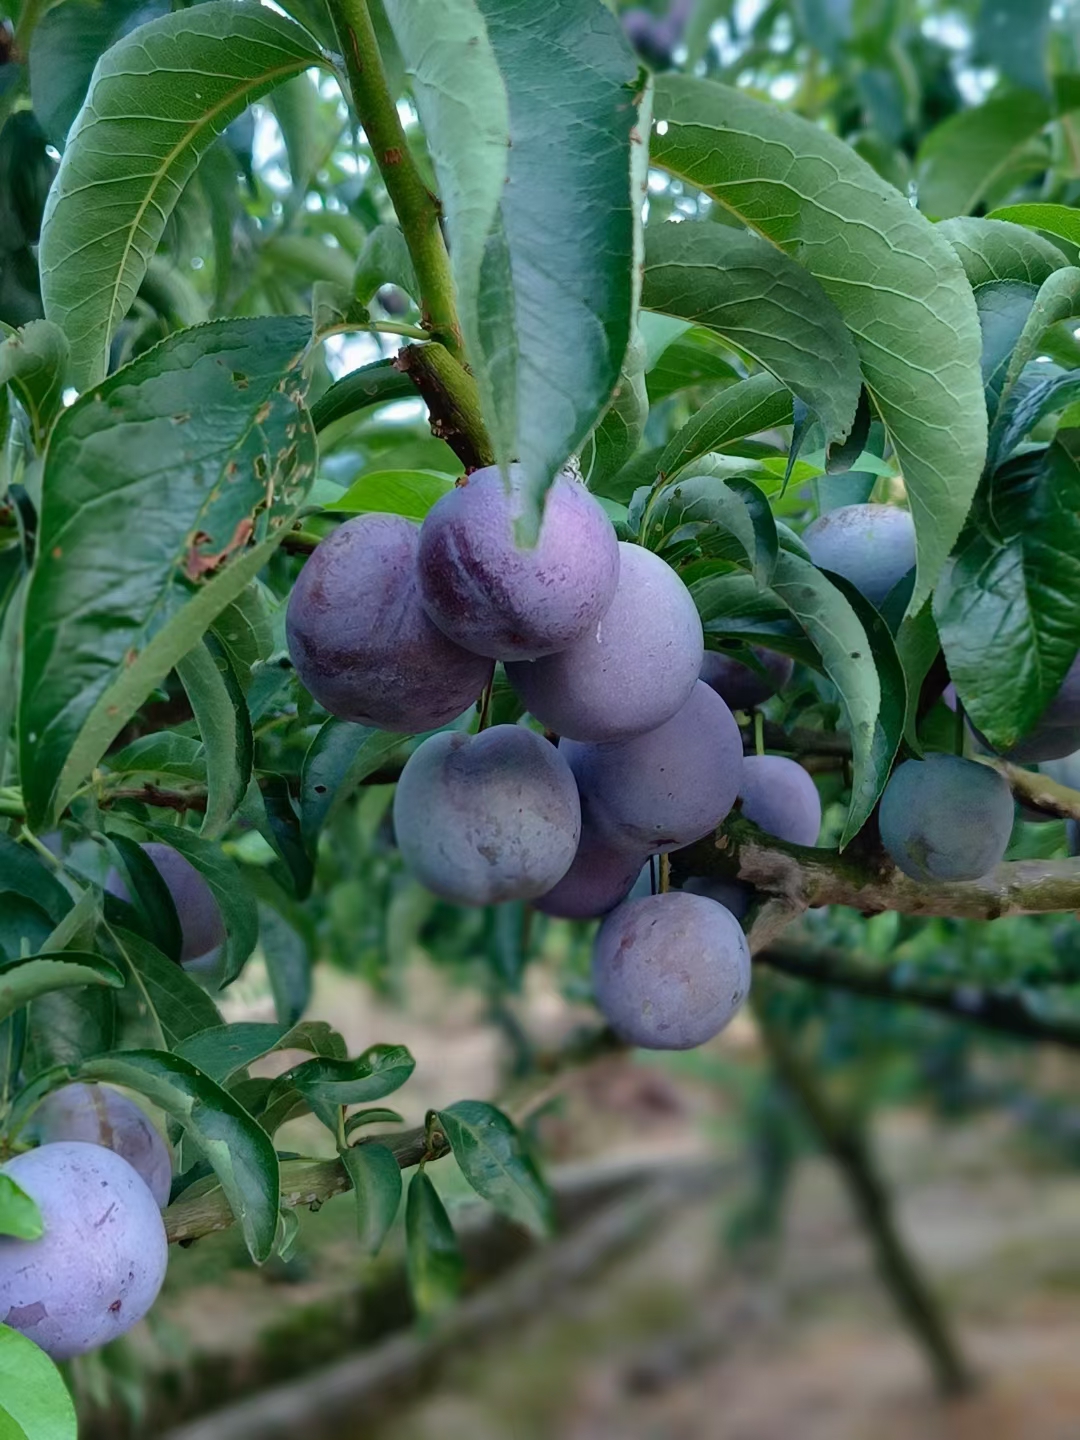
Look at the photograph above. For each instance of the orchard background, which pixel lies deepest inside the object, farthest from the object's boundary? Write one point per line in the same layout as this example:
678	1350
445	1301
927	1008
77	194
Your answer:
268	270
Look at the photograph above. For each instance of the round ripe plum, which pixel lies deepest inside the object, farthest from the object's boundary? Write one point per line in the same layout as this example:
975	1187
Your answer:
735	895
779	796
488	817
202	928
361	641
873	546
666	788
944	818
101	1261
632	671
738	685
496	599
598	879
670	971
98	1115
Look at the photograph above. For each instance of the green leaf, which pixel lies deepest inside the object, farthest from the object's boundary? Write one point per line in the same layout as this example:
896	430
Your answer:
326	1084
411	493
33	362
1058	298
1060	220
765	304
288	963
221	713
1030	402
737	411
622	425
1012	36
993	249
434	1262
19	1214
337	760
175	1004
376	1116
701	513
33	1397
897	283
963	161
222	1050
490	1154
377	1187
200	448
226	881
148	906
158	100
1004	307
694	358
23	980
384	260
245	628
22	873
830	621
1006	608
528	113
240	1151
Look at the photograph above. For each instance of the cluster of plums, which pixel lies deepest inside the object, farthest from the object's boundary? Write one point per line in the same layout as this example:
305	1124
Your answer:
400	627
100	1175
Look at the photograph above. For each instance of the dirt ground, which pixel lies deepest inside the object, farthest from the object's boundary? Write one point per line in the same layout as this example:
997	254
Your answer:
679	1340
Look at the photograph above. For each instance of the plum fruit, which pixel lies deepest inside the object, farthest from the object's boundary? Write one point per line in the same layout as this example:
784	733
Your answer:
202	928
99	1115
670	971
101	1261
779	796
1057	731
360	638
599	878
873	546
495	598
666	788
944	818
488	817
741	687
634	668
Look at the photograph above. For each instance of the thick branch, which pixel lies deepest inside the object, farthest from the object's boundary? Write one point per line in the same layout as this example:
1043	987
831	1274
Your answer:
1039	792
998	1010
453	401
416	208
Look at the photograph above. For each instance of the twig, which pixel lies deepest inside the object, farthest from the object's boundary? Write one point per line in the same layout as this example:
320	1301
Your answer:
453	401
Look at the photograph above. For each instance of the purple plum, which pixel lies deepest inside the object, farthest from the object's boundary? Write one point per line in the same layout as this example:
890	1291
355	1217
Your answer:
944	818
99	1115
872	546
202	928
599	878
741	687
778	795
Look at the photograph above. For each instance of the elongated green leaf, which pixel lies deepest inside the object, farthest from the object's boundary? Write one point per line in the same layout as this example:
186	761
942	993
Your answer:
377	1187
1061	220
434	1262
175	1004
288	961
964	160
701	513
222	1050
19	1214
491	1156
528	112
993	249
338	759
34	1401
737	411
327	1084
411	493
240	1152
384	260
200	451
234	897
1005	608
897	283
1004	307
1011	35
22	873
139	899
246	630
157	102
376	1116
766	305
22	980
1058	298
1031	401
33	362
221	713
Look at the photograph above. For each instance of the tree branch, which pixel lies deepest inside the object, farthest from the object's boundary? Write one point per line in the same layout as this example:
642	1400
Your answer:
453	401
370	385
990	1009
1039	792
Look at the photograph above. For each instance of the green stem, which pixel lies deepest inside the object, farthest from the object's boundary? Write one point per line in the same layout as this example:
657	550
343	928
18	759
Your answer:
373	384
845	1143
416	208
453	401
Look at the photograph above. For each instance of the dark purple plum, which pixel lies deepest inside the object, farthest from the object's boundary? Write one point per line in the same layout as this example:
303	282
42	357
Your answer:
944	818
98	1267
634	668
495	598
361	640
666	788
202	928
873	546
670	971
97	1115
741	687
488	817
598	879
778	795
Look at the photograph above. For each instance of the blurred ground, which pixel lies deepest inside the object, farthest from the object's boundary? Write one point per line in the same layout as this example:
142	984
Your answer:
677	1338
